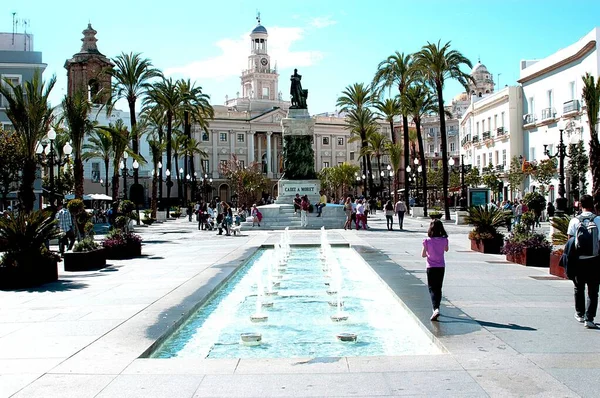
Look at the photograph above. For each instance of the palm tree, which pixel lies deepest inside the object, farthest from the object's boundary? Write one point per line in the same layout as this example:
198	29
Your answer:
377	147
131	79
178	142
388	110
397	70
355	101
591	97
30	113
190	149
436	63
119	136
167	97
195	108
395	153
99	146
157	147
418	102
76	109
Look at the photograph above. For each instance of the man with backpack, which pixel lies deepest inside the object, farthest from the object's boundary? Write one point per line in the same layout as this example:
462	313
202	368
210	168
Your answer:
584	232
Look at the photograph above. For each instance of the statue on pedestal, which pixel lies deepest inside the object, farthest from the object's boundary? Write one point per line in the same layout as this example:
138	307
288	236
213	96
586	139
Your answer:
299	95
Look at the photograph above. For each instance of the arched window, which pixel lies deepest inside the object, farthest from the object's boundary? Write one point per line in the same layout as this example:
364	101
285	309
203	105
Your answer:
93	89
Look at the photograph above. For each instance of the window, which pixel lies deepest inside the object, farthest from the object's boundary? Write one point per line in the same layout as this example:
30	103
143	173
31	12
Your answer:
241	137
431	148
325	140
495	122
352	155
531	154
8	127
265	92
452	147
431	130
504	157
502	119
549	97
15	80
205	136
96	172
477	128
223	163
572	90
531	104
241	164
483	125
223	137
490	158
497	157
479	161
325	164
205	168
484	162
489	123
340	141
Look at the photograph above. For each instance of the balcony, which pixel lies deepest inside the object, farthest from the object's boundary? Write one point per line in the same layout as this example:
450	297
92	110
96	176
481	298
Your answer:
500	131
500	167
529	119
475	139
465	140
486	135
571	106
548	113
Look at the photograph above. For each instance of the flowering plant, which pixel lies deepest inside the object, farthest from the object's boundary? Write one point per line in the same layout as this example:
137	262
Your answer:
116	239
522	239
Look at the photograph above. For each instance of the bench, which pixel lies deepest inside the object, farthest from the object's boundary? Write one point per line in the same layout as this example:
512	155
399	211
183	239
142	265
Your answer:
236	229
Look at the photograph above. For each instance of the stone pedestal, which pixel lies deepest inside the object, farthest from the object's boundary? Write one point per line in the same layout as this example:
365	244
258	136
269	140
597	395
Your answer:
459	217
289	188
416	211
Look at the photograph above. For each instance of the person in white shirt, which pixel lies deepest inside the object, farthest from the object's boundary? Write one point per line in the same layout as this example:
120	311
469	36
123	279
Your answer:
360	215
587	272
400	210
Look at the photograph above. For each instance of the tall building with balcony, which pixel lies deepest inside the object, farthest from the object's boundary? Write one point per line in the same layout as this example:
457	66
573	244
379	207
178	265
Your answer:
552	92
18	63
491	134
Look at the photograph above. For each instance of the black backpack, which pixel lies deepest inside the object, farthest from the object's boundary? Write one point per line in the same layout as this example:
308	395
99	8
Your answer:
586	237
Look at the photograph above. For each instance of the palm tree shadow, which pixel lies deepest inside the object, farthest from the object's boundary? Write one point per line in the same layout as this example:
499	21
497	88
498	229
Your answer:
58	286
511	326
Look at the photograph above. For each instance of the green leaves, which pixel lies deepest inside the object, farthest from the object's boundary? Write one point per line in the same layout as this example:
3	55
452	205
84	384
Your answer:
298	157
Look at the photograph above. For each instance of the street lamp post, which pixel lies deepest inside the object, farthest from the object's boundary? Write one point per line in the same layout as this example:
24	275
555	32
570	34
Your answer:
125	172
43	149
390	173
205	183
561	201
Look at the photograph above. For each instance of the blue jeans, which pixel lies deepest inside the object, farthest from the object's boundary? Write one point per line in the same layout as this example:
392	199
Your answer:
401	218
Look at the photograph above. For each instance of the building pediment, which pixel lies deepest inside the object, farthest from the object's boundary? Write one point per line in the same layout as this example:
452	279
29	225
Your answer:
272	116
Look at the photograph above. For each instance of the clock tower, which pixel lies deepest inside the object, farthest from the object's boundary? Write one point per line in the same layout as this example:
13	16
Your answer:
260	80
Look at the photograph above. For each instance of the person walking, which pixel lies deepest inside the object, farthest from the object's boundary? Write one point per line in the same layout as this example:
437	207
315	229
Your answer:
304	206
361	217
434	247
348	212
400	209
585	265
389	215
65	224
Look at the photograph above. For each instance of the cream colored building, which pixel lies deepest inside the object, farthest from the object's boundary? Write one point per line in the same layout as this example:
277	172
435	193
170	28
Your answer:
249	126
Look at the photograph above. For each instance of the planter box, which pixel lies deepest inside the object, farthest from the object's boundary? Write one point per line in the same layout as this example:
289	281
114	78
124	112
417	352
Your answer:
487	246
531	258
148	221
124	252
19	278
85	261
556	269
435	216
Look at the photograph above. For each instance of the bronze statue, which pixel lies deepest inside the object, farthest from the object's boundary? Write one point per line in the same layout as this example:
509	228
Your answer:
299	95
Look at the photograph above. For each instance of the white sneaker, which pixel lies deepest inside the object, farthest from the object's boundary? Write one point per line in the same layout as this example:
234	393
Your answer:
590	325
435	315
578	318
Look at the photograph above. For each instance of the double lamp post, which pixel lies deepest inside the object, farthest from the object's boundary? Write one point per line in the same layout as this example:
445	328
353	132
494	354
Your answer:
45	149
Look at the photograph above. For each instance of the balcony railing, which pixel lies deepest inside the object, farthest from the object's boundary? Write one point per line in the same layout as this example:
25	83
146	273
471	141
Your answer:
571	106
548	113
529	118
465	140
500	167
500	131
486	135
476	138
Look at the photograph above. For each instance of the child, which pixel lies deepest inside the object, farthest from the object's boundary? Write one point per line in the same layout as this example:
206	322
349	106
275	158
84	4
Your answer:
433	248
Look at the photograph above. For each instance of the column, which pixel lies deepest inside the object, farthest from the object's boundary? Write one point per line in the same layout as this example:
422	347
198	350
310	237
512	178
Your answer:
269	172
318	161
214	163
232	141
250	137
259	159
333	151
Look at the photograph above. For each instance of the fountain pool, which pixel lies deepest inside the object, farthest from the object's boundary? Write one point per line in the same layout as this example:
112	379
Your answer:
297	317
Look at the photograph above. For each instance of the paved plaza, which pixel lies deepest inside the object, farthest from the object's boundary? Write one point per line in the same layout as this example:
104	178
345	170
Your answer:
506	330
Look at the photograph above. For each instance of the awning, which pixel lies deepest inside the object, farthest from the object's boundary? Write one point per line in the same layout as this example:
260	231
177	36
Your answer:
92	196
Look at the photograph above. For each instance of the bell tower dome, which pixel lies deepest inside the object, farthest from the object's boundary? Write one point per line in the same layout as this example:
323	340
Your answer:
260	80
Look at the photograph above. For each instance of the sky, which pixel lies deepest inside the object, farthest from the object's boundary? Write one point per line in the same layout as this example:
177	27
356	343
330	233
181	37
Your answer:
332	43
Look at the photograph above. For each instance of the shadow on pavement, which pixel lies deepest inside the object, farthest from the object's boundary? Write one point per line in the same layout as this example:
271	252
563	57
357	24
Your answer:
58	286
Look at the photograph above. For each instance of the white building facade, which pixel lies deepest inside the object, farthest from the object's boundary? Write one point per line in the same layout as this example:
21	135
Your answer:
552	92
491	133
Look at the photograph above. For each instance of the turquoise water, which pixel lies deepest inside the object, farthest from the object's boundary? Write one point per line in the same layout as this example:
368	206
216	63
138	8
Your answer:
299	323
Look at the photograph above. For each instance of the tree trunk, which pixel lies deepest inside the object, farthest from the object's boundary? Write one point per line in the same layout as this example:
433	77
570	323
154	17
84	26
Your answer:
134	137
595	168
187	128
26	194
423	166
115	187
370	175
406	160
179	196
392	132
444	149
78	174
154	202
106	176
380	177
169	149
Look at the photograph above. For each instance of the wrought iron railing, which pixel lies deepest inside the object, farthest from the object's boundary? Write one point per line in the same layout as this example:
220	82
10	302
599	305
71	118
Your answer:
486	135
529	118
571	106
548	113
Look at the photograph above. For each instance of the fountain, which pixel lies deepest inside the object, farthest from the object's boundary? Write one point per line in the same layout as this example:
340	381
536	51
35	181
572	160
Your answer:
259	316
251	339
337	276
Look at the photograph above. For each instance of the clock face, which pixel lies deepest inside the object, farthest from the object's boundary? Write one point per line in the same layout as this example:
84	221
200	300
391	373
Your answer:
264	61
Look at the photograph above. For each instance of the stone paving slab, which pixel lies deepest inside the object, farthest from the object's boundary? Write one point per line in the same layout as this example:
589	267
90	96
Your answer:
504	332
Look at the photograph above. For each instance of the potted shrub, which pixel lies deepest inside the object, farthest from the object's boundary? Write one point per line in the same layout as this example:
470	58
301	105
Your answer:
527	248
560	226
485	237
27	261
175	212
435	215
148	220
121	243
86	255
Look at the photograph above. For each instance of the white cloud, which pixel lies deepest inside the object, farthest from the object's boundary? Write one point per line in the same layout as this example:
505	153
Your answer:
234	55
322	22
